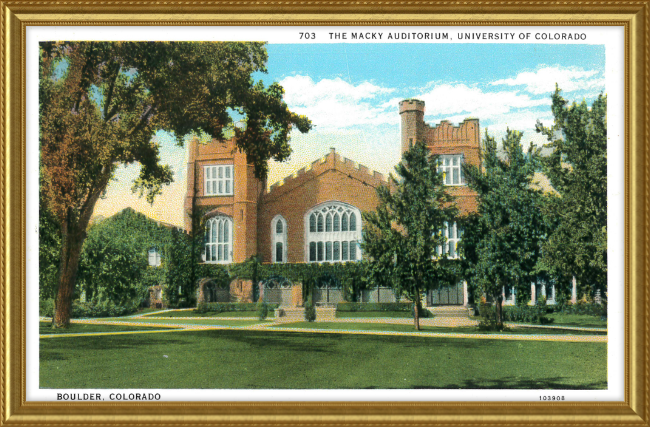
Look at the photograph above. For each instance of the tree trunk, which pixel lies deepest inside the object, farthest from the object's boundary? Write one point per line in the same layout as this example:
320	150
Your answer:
73	234
416	311
499	310
70	255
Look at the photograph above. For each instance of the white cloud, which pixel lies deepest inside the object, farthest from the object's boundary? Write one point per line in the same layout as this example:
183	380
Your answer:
377	148
569	79
522	121
460	100
336	104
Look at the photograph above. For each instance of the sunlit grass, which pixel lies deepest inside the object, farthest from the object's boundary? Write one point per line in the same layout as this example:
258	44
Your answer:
220	359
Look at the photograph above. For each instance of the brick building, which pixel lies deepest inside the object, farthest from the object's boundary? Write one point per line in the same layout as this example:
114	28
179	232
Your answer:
314	215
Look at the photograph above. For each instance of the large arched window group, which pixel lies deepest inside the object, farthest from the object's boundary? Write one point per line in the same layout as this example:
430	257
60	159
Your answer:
333	233
218	246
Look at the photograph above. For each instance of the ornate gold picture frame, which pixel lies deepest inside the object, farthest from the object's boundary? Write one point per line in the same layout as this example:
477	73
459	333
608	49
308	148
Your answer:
17	16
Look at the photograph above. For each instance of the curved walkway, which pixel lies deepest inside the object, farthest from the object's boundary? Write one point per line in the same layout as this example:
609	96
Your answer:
179	327
436	321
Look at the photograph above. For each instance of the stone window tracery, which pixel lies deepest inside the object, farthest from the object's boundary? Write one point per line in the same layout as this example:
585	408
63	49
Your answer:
218	246
332	233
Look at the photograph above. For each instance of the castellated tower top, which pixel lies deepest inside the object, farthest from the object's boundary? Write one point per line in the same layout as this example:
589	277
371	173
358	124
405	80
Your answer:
411	105
411	112
452	138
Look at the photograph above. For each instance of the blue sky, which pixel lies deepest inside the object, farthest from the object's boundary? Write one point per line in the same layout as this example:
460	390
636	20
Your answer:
351	94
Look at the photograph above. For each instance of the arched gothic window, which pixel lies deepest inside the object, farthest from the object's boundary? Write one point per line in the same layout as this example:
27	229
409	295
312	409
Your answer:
218	246
279	239
332	233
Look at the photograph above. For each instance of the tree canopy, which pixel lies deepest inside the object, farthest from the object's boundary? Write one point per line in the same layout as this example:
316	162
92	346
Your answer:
102	102
502	242
577	169
402	236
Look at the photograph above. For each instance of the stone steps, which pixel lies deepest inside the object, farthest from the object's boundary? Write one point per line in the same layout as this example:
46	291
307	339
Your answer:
449	311
297	314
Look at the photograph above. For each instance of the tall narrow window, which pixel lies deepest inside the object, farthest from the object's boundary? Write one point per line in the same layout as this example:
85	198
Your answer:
218	180
278	252
154	257
279	239
451	167
218	246
312	223
333	233
452	234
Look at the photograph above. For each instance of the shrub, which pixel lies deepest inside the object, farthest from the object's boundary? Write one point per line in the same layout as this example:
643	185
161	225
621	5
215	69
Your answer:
101	309
46	307
227	307
424	313
201	308
526	314
371	306
488	320
561	300
310	310
262	310
583	307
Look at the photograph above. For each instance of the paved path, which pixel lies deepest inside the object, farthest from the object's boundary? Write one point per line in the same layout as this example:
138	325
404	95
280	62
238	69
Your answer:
436	321
179	327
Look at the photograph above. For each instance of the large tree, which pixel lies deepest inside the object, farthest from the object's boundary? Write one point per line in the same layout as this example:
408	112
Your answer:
577	169
102	102
502	242
402	236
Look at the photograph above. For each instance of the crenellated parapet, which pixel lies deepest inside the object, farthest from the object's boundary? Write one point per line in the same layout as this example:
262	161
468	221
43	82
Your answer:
445	133
328	163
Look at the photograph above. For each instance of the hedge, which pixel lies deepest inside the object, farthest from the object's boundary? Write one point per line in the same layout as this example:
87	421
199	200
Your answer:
371	306
590	309
86	309
525	314
226	307
382	307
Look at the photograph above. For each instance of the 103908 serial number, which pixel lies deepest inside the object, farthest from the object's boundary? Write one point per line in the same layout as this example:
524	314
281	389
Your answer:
551	398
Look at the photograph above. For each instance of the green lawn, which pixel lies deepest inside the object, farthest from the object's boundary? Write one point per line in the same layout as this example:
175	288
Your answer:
212	321
357	314
571	320
577	320
192	313
264	359
144	311
409	328
45	328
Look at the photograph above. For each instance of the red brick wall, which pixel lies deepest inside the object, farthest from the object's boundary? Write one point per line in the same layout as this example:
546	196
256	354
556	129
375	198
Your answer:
241	207
334	179
442	139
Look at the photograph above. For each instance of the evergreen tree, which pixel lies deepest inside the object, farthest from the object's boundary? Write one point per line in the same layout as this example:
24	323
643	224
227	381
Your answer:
501	244
402	236
577	169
